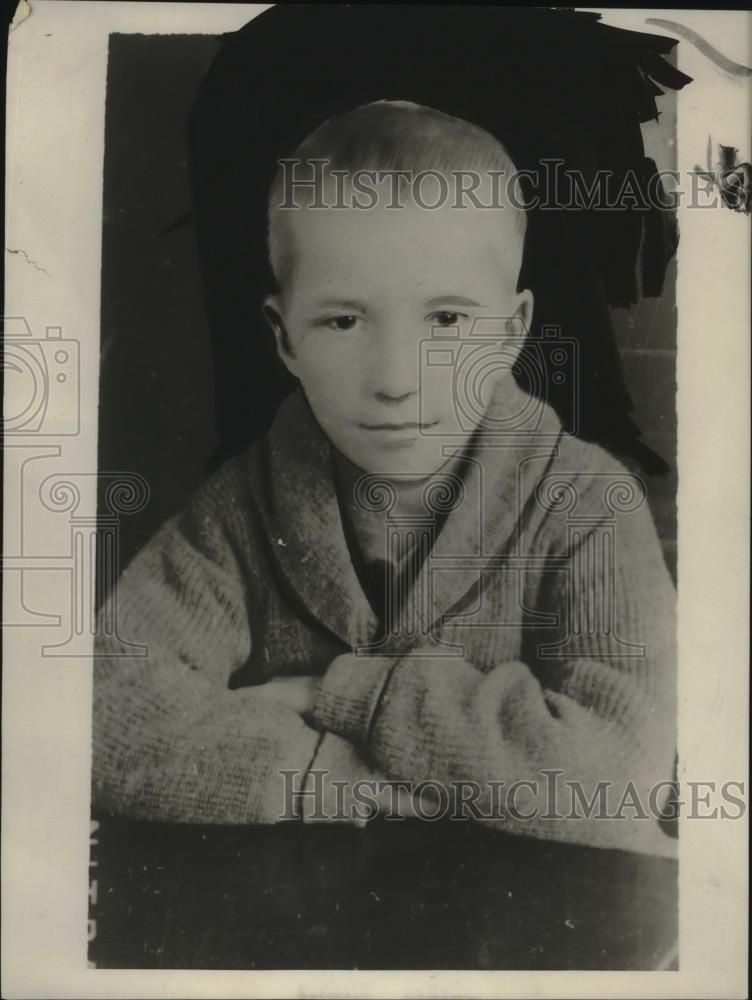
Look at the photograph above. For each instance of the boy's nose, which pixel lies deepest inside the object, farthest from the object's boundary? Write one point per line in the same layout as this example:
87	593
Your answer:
384	397
395	387
394	375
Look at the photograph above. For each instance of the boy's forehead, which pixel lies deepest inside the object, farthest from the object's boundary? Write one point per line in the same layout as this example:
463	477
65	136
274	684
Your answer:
447	237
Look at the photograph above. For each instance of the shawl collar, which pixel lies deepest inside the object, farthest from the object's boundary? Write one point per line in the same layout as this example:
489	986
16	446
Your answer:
301	511
500	471
300	508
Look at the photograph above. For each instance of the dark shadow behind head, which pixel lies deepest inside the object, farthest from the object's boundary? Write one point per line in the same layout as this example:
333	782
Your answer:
551	84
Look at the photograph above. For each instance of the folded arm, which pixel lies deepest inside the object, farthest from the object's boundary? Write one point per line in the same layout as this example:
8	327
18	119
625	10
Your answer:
171	741
598	710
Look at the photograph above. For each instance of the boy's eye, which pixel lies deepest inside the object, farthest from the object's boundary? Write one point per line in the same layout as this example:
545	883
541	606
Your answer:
341	322
445	318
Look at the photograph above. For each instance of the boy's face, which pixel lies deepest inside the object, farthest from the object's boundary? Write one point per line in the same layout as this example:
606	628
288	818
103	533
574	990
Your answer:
368	293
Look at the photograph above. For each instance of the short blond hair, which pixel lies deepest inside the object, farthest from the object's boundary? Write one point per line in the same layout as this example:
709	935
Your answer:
388	136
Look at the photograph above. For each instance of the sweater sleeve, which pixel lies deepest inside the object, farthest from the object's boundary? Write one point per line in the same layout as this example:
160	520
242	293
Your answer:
594	700
171	741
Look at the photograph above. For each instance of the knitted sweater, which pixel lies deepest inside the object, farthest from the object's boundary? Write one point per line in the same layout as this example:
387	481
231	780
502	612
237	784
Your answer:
537	636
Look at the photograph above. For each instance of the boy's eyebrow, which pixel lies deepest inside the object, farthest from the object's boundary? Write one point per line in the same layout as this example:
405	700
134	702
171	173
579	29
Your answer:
341	304
451	300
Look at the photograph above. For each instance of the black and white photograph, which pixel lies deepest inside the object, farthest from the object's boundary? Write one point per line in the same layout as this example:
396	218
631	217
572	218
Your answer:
384	512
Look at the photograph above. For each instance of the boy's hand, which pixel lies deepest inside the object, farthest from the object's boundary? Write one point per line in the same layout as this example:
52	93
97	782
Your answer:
297	693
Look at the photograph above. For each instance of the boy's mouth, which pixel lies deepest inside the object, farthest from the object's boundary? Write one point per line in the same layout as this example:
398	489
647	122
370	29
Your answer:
406	426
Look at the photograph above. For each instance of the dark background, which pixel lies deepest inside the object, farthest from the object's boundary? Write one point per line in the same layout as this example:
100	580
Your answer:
387	897
156	414
157	405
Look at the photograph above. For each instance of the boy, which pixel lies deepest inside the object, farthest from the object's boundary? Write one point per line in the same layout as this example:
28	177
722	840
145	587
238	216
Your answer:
417	575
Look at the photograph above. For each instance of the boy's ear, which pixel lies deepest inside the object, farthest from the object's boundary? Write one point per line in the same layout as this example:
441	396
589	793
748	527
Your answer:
518	325
273	316
525	310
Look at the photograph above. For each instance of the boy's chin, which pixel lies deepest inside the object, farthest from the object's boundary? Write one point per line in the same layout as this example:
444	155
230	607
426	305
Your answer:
409	462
